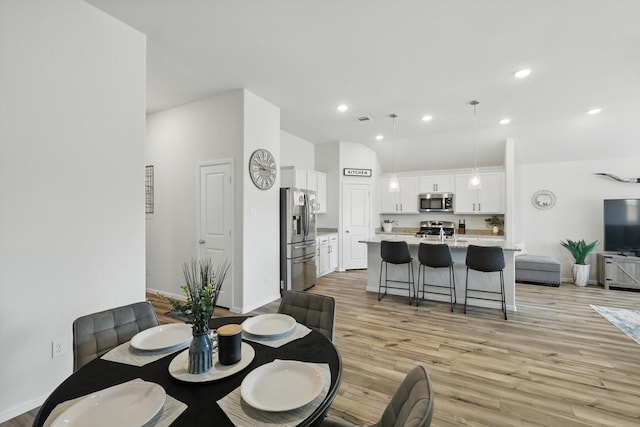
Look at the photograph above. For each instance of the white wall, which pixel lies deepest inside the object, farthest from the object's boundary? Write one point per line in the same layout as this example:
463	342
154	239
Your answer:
578	213
327	156
72	81
228	126
296	152
177	140
261	240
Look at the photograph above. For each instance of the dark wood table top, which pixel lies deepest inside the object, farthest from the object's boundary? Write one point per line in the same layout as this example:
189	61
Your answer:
200	398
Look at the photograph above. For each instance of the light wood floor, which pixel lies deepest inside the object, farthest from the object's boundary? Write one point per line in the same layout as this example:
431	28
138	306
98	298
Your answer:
555	362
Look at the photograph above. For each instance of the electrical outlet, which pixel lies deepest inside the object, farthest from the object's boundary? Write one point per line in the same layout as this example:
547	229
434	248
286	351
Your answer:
58	347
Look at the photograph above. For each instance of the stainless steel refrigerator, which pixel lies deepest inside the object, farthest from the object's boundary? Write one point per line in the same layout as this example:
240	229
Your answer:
297	239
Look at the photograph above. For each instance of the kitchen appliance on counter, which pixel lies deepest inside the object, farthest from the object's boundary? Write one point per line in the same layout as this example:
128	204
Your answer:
435	202
432	228
297	239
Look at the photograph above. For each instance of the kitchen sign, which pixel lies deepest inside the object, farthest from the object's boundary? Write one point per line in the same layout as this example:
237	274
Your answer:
357	172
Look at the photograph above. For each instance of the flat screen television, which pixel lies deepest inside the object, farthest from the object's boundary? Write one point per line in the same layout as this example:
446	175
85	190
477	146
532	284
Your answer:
622	226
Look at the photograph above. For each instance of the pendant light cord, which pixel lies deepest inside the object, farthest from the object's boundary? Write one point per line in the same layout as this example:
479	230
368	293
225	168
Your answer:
474	179
394	184
475	131
393	116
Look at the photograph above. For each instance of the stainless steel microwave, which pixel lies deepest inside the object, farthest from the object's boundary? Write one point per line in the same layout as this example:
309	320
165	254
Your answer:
435	202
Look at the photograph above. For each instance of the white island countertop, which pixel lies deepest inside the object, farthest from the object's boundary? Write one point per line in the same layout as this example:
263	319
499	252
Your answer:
453	243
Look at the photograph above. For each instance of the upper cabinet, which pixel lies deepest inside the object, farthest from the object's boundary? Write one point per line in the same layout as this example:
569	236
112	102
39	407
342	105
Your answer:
312	181
489	199
403	201
321	199
436	184
316	181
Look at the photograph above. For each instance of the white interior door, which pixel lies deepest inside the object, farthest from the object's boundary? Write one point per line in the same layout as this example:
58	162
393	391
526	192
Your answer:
356	213
216	221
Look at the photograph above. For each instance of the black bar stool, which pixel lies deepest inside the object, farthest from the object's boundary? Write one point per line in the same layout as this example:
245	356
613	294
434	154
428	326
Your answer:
396	253
436	256
487	259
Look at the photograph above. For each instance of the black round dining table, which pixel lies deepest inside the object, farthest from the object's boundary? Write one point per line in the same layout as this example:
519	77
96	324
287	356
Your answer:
200	398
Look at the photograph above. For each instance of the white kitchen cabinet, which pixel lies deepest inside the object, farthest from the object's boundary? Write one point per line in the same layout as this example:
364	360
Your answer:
327	261
312	181
333	252
300	178
489	199
322	264
291	176
403	201
389	200
436	184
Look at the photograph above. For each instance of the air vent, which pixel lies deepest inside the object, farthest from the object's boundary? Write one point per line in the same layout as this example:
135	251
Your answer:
363	119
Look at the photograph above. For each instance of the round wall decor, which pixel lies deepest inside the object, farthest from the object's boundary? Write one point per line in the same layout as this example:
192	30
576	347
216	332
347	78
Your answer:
543	199
262	169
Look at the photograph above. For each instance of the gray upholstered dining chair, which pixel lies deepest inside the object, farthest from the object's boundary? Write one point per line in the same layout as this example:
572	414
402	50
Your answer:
411	405
97	333
315	311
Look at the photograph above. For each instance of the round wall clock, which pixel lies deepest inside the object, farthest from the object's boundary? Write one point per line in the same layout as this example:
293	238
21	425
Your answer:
543	199
262	169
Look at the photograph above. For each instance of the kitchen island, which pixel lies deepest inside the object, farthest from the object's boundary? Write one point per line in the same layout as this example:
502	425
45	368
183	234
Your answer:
458	246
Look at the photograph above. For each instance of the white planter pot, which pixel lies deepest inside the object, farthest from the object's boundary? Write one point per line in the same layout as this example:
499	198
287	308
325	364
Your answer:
580	274
387	227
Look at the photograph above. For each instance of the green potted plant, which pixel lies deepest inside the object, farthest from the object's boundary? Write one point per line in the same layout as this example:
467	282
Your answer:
495	222
387	225
202	289
580	250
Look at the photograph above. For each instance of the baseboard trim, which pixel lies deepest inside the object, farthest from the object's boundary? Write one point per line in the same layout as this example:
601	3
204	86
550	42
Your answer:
22	408
234	309
260	304
167	294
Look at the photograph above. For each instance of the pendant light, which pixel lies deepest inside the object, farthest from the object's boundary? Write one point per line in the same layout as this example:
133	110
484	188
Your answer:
474	179
394	184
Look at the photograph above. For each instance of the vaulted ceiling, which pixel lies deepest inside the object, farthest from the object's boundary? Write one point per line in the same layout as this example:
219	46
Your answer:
411	58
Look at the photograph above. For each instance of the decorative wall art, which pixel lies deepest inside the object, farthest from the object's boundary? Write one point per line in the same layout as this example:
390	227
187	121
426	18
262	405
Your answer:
148	189
543	199
617	178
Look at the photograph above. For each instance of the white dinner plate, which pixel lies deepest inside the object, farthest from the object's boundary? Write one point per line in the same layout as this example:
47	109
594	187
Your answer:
179	366
281	385
162	336
129	404
269	325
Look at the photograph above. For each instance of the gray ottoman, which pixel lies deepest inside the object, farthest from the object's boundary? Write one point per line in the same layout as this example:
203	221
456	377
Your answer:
538	269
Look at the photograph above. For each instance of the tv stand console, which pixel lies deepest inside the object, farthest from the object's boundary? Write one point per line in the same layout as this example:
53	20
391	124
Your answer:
618	270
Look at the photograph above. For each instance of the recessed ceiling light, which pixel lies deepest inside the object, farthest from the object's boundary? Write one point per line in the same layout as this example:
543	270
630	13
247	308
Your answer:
521	74
379	137
505	121
427	118
342	108
594	111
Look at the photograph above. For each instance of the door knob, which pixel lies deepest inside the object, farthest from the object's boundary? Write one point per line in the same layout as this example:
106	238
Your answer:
346	231
201	241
